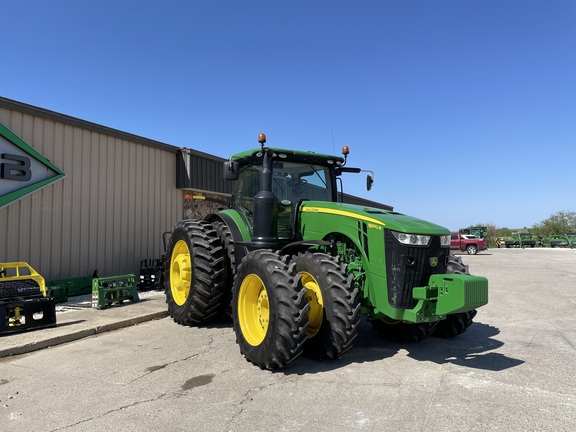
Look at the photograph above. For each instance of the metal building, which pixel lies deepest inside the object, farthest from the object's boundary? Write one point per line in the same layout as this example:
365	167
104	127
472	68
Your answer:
76	196
109	210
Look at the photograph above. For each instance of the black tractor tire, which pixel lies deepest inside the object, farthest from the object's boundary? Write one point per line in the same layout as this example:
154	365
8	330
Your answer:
455	265
458	323
229	267
269	310
334	312
402	332
194	268
454	324
471	249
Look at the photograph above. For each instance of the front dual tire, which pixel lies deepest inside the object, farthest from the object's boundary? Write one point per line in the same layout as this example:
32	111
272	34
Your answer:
269	310
334	306
283	307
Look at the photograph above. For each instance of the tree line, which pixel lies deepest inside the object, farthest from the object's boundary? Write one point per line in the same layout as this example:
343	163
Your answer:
558	223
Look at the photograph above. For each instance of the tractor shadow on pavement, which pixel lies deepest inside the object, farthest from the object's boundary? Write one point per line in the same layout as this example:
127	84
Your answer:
472	349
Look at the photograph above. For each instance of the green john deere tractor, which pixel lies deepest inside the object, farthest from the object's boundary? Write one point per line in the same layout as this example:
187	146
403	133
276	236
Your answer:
295	268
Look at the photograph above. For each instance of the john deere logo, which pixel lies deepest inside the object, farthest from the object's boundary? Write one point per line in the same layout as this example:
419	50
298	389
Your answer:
433	262
22	169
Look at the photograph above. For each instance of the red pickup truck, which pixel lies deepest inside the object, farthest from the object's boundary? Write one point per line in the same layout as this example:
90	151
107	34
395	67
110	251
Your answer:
470	245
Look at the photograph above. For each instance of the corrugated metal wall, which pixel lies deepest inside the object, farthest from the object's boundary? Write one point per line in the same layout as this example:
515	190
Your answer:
110	211
202	172
207	174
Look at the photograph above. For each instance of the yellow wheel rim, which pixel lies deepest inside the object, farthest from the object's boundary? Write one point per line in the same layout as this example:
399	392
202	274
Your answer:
253	309
314	299
180	272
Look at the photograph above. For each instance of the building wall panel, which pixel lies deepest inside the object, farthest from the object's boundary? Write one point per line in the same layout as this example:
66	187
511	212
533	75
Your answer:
110	211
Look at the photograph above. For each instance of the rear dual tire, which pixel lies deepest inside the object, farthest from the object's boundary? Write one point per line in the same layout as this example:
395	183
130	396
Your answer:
194	286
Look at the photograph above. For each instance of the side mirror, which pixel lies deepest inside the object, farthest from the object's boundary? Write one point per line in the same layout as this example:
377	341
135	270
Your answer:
231	170
369	181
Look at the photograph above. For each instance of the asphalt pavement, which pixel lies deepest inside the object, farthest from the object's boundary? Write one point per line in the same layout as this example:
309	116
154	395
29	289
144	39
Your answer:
512	370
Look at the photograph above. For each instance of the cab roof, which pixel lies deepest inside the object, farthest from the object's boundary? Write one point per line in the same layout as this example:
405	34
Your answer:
254	155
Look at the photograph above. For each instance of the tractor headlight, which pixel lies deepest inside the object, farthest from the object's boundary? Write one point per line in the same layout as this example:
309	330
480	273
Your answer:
445	240
412	239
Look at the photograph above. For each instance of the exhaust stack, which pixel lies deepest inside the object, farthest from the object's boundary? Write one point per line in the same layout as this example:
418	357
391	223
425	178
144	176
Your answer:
265	229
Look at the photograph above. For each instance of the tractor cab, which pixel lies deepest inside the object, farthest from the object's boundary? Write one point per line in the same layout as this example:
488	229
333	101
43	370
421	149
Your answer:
292	183
287	178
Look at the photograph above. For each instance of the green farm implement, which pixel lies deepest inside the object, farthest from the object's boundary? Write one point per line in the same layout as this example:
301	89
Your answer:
526	240
555	240
571	239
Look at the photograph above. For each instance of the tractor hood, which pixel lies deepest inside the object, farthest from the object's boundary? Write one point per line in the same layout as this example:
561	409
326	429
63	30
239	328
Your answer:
388	219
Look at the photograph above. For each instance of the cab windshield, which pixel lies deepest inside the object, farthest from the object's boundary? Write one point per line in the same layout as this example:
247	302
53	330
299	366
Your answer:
291	183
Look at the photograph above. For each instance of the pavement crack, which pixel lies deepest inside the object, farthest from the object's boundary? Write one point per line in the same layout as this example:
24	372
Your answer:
561	333
249	397
205	349
115	410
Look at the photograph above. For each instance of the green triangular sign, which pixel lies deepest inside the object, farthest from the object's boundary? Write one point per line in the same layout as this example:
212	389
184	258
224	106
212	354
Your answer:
22	169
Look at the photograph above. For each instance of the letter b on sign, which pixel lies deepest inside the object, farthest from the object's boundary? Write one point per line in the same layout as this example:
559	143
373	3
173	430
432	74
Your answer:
17	167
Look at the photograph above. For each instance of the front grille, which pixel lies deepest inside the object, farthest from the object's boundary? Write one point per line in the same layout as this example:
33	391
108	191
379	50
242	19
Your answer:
408	267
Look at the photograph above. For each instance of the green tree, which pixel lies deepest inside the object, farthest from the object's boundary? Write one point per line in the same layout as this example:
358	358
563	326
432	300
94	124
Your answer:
558	223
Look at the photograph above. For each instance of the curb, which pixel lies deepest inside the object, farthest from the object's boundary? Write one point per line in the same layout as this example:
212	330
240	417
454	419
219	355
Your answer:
47	342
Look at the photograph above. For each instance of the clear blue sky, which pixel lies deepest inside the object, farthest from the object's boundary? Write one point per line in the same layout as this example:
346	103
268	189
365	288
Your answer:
464	109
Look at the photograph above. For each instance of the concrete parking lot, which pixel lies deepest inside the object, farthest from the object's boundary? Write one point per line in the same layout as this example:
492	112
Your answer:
513	370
